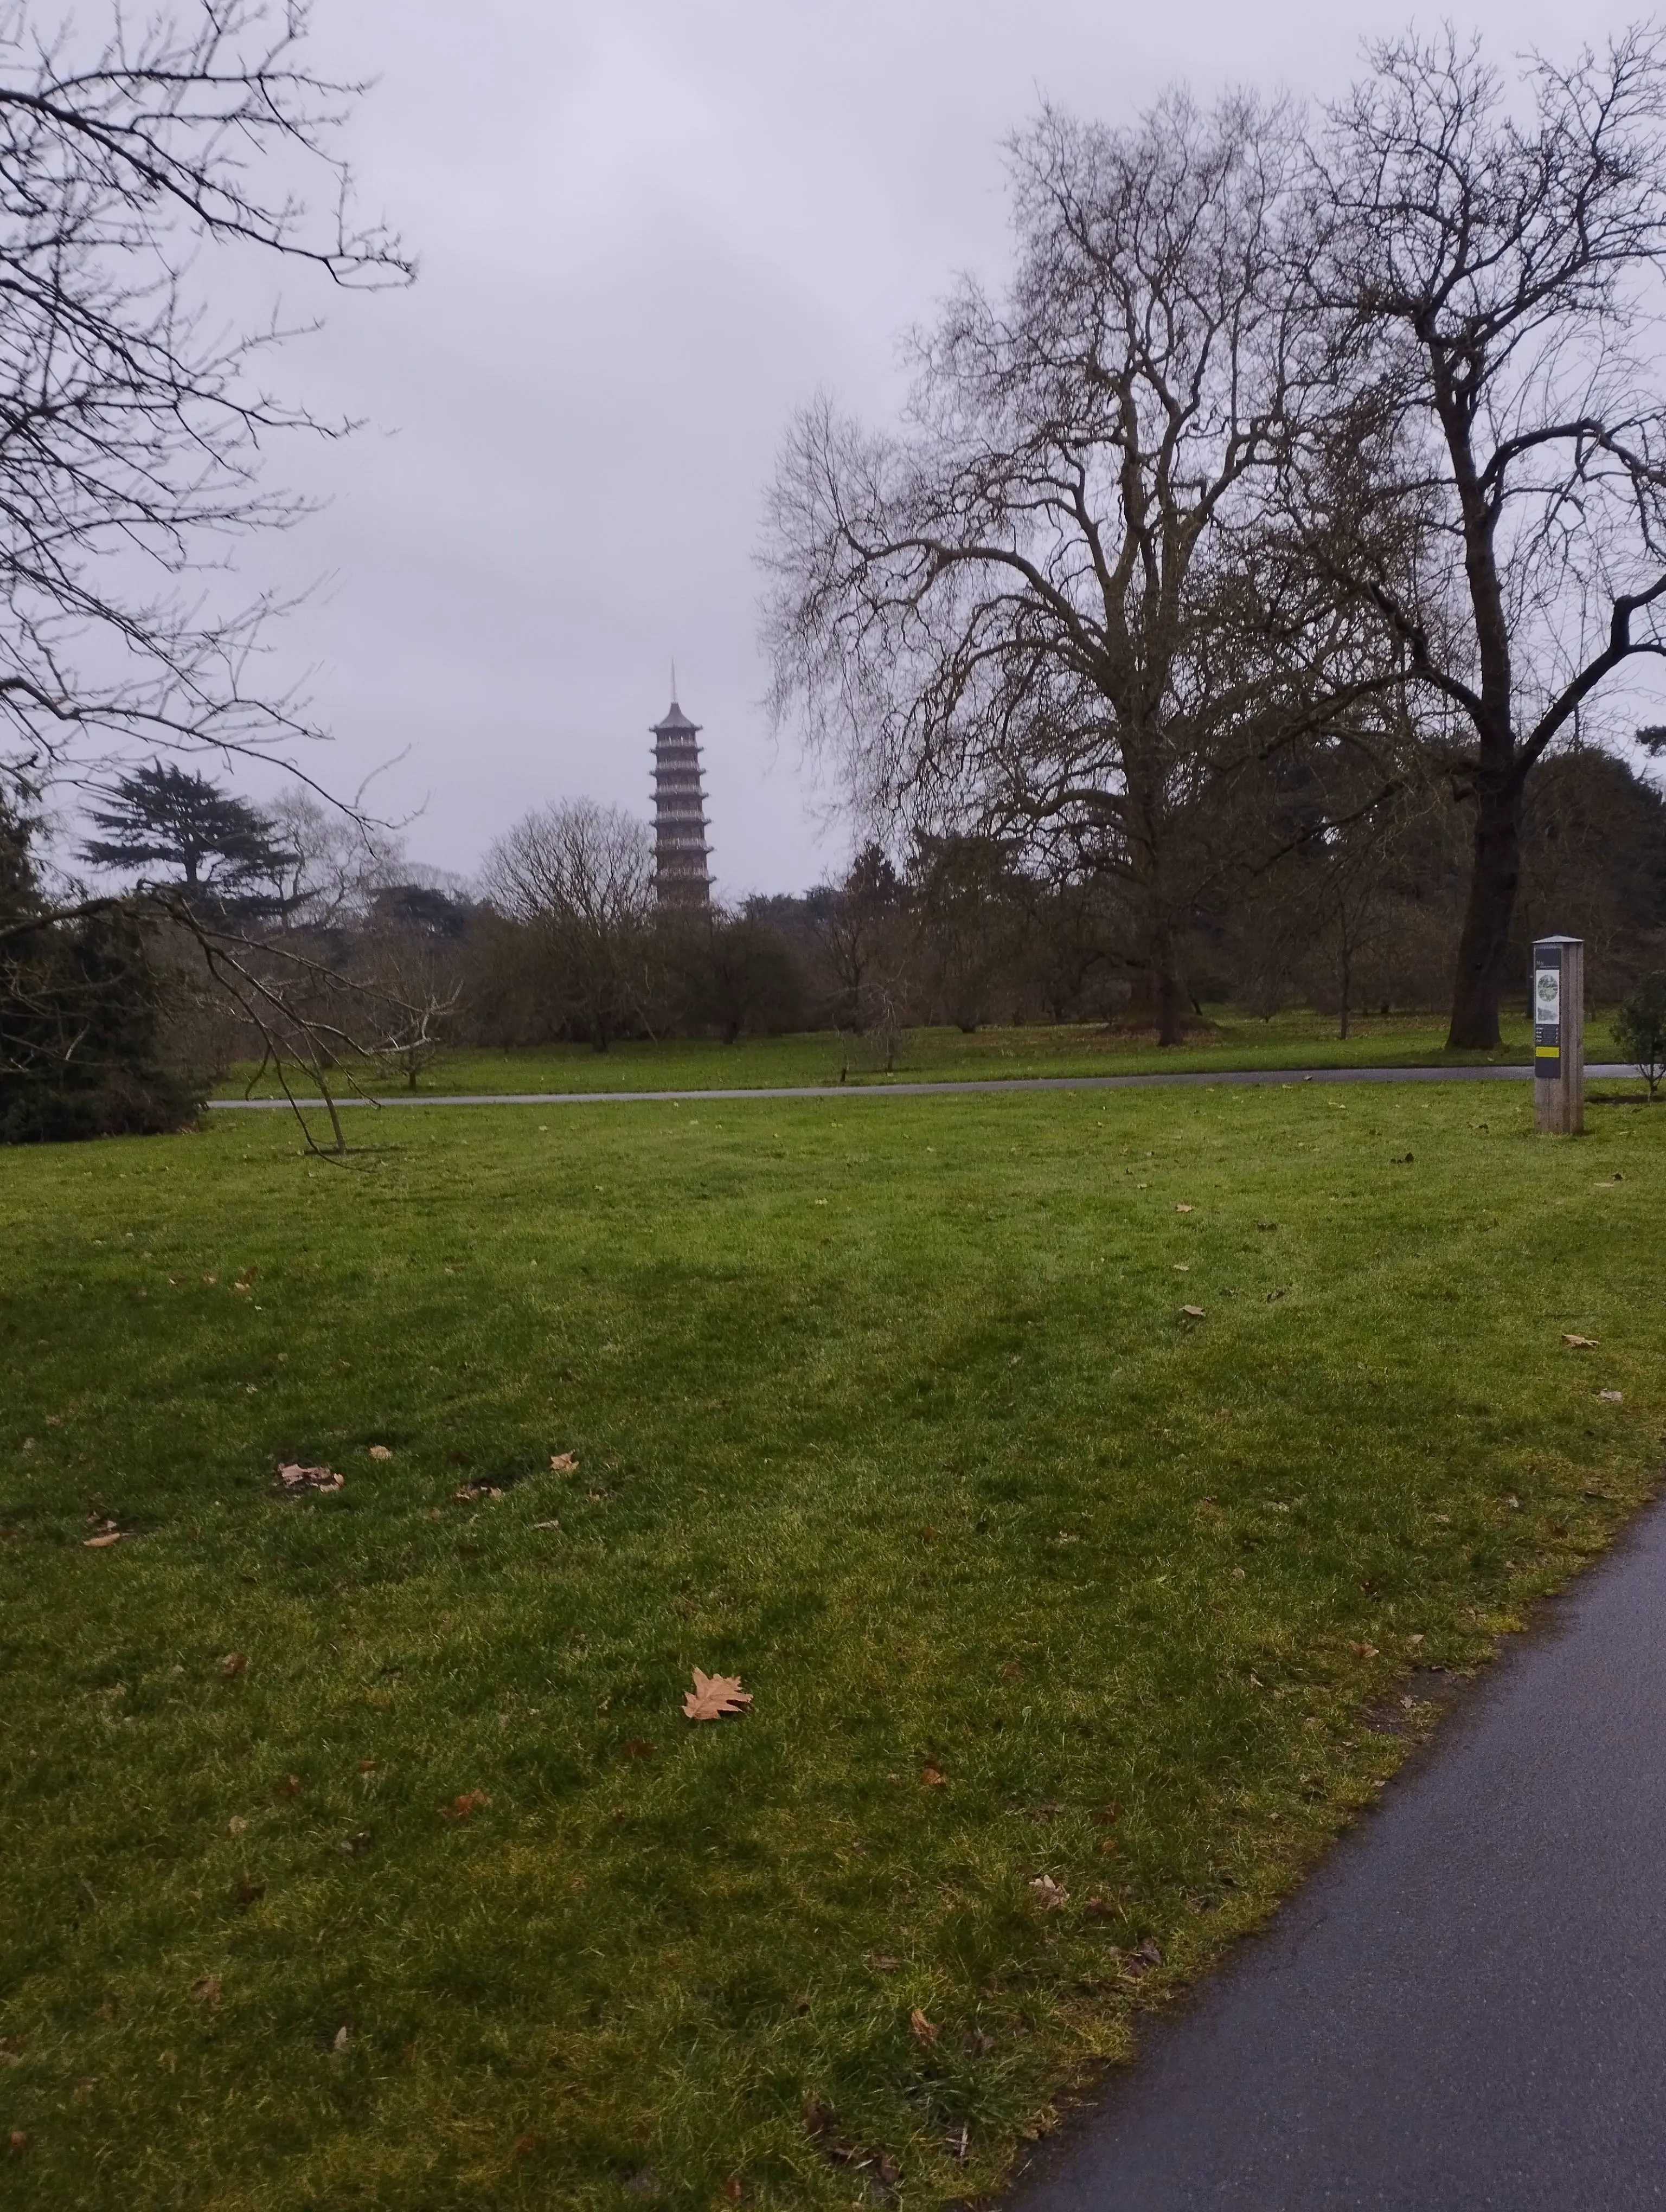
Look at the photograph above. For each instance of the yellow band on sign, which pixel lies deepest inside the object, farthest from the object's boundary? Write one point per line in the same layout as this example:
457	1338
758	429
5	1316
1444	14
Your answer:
1547	1052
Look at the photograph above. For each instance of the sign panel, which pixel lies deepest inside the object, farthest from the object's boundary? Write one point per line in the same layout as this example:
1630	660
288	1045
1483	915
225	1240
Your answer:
1548	1017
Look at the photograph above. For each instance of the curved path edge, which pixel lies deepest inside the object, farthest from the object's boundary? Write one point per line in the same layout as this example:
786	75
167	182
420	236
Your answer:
1460	2009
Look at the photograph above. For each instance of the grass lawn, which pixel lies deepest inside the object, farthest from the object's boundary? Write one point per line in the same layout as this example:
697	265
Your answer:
1228	1039
357	1853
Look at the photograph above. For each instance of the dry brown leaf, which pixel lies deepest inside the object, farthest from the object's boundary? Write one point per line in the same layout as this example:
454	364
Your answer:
731	2188
293	1477
1052	1894
1012	1672
342	2040
471	1491
233	1665
103	1542
19	2141
207	1991
715	1695
1193	1313
933	1777
1185	1209
1143	1958
380	1451
1363	1650
1579	1343
467	1803
1612	1397
921	2029
237	1825
564	1463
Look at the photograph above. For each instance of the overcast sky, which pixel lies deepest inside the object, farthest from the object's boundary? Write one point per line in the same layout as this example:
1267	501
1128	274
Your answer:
648	231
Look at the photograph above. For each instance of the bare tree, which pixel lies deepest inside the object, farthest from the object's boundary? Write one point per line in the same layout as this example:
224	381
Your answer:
1489	271
147	169
135	168
1048	608
580	877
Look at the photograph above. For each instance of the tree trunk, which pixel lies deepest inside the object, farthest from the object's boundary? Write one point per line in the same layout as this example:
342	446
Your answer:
1484	947
1171	1007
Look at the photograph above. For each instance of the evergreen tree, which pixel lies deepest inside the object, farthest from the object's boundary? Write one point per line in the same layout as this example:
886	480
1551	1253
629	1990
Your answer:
225	854
83	1007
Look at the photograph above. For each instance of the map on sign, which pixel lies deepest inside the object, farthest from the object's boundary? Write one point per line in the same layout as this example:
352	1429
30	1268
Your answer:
1547	996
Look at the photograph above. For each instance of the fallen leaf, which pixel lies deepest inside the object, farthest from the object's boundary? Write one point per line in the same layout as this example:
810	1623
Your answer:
380	1451
207	1991
714	1695
355	1847
367	1767
233	1665
921	2029
564	1463
1612	1397
1193	1313
546	1524
1185	1209
1363	1650
1143	1958
1182	1266
464	1804
19	2141
101	1543
524	2146
342	2039
236	1825
293	1477
1012	1672
473	1490
1052	1894
1579	1343
932	1777
882	1962
731	2188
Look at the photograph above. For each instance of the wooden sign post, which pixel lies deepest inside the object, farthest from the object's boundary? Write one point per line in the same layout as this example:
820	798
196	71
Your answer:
1558	1036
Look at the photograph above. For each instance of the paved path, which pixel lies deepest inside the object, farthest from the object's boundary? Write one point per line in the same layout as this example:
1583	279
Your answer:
1466	2007
936	1090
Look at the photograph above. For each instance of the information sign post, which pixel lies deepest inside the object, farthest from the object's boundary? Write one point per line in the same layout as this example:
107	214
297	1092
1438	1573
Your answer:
1558	1036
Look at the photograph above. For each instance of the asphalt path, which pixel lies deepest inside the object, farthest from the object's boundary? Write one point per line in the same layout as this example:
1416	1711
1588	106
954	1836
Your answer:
1284	1075
1466	2007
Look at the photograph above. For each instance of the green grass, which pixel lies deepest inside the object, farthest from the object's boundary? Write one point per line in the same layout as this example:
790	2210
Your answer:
890	1409
1227	1040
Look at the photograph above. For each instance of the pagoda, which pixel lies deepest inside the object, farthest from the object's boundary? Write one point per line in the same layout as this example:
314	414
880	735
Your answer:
680	874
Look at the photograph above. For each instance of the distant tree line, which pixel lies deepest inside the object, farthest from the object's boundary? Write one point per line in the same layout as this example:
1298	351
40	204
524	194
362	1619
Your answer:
1237	612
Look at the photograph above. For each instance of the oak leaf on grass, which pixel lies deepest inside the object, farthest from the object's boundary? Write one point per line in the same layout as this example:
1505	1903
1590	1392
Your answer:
564	1463
921	2029
1579	1343
465	1803
1192	1312
293	1478
714	1697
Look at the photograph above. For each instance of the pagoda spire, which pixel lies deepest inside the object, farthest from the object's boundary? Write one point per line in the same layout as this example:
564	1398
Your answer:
681	877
